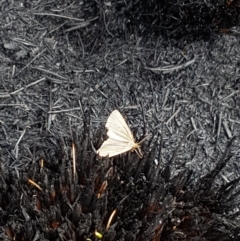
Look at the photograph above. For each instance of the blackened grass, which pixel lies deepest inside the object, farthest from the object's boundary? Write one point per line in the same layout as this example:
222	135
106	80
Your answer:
140	201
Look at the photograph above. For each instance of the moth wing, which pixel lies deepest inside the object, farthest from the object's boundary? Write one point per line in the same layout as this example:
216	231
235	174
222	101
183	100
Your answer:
118	128
119	136
112	147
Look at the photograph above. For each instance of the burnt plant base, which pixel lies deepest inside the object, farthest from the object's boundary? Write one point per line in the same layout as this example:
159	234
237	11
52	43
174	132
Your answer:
149	203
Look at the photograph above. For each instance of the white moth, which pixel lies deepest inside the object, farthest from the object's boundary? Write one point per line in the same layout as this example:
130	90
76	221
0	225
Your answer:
120	138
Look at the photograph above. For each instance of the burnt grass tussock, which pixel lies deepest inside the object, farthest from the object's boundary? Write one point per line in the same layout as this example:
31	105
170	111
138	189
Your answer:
186	20
121	198
148	202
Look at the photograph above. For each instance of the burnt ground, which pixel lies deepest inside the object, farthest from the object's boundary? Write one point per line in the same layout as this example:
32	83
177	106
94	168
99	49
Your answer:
171	68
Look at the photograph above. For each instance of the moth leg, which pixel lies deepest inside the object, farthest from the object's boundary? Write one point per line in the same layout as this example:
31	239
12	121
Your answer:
139	152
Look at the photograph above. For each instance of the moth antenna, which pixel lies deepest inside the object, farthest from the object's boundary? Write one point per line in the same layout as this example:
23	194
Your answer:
144	138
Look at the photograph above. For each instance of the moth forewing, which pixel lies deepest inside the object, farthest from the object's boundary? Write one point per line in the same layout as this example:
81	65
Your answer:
117	124
112	147
118	136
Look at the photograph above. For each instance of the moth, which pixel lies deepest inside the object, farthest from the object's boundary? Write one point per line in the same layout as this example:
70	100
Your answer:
120	138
